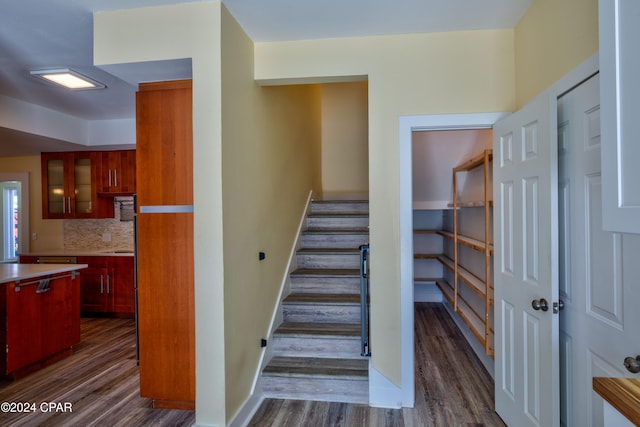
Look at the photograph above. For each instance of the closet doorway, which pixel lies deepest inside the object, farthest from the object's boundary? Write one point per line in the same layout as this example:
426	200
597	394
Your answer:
453	246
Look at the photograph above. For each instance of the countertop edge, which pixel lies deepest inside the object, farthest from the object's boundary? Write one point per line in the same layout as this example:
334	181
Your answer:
621	393
79	253
17	272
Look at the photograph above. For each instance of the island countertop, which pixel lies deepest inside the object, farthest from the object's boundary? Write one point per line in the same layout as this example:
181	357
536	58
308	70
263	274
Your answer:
16	272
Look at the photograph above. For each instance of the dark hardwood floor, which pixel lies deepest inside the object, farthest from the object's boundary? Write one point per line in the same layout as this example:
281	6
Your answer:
100	382
452	387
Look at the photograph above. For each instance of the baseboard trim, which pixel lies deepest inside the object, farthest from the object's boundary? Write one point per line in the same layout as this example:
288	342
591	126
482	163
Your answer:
477	348
246	411
382	392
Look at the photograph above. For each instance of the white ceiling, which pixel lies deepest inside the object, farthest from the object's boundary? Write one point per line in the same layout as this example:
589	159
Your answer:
58	33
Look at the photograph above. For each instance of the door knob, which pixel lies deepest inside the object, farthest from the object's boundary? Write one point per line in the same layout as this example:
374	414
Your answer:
540	304
632	365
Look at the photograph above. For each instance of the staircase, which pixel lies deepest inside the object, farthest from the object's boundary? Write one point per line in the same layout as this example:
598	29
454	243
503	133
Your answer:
316	349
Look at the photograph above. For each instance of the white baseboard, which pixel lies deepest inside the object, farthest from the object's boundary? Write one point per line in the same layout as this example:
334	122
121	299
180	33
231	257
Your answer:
382	392
477	348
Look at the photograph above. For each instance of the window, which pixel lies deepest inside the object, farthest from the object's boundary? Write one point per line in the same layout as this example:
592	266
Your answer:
10	220
14	215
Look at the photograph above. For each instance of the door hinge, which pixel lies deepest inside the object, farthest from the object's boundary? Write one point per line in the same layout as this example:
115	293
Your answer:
557	306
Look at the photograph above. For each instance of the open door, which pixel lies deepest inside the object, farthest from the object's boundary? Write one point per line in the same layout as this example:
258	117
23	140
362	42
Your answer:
526	265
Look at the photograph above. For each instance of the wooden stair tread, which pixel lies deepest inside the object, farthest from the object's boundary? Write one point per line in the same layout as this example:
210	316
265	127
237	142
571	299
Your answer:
326	272
336	231
326	299
327	251
312	367
293	329
338	214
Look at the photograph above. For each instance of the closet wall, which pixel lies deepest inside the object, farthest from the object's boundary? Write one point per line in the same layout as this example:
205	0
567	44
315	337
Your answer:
435	154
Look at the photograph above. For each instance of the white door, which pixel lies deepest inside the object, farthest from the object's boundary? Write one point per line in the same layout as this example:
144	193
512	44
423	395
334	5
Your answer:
598	283
619	68
526	268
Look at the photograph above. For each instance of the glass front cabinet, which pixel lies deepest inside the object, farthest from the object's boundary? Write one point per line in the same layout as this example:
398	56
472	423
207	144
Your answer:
69	185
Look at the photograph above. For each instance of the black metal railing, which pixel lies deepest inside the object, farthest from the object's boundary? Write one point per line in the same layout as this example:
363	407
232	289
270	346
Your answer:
364	300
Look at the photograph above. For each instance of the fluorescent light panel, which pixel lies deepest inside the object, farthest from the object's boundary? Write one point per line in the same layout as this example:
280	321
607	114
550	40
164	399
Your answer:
68	78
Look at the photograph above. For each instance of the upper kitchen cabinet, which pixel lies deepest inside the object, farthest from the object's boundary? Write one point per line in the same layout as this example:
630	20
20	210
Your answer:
69	186
161	144
117	173
619	110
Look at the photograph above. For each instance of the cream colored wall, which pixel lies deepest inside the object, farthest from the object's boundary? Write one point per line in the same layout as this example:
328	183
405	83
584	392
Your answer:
189	30
244	198
49	231
345	160
457	72
269	143
551	39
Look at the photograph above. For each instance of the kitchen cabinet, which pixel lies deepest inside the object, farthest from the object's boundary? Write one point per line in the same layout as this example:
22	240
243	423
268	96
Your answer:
107	286
38	327
166	317
117	172
69	187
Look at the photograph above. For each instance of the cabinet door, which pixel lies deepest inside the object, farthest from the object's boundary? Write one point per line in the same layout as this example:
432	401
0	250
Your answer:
166	308
69	185
55	176
122	284
164	144
24	316
95	293
620	108
118	171
82	189
95	290
60	315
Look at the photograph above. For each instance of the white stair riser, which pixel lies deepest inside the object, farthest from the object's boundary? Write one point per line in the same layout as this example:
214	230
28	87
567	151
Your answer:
355	207
322	389
334	240
336	261
346	348
343	313
313	285
331	222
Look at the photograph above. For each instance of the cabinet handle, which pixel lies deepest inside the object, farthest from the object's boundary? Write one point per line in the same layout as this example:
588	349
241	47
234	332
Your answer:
109	178
108	284
101	284
115	177
69	201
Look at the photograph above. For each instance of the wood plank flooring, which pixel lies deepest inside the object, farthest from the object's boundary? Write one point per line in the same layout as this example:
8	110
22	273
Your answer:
100	381
452	387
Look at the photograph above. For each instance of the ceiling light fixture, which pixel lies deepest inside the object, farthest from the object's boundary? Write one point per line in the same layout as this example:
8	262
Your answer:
67	78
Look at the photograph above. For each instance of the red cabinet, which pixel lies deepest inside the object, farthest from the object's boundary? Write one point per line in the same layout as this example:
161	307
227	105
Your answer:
117	172
107	285
37	326
69	186
165	244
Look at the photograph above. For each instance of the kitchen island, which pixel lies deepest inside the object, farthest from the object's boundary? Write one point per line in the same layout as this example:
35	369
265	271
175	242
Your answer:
39	315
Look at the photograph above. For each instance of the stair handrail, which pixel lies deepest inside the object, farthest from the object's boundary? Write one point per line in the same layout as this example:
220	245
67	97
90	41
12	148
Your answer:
364	300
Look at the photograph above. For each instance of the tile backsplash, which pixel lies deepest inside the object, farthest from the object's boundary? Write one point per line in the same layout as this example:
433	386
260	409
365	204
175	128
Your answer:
90	234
